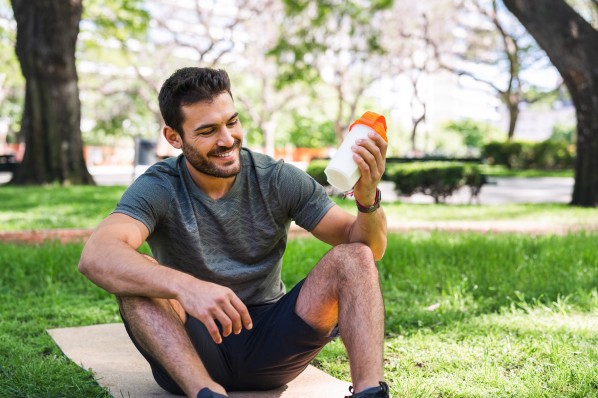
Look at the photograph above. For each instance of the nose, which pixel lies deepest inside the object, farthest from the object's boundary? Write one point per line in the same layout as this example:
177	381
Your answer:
225	138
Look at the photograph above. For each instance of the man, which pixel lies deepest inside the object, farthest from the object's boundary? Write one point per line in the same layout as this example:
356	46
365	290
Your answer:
209	313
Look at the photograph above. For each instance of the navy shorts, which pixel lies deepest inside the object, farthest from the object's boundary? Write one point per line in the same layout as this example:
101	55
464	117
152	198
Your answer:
275	351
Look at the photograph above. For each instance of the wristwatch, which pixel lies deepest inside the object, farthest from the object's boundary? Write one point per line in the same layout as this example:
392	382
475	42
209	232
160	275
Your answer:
372	208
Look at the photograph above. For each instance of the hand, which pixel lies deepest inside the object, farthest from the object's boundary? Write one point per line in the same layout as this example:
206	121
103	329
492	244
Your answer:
209	302
370	156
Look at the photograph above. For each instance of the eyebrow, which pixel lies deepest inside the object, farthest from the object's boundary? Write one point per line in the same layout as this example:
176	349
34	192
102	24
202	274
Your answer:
205	126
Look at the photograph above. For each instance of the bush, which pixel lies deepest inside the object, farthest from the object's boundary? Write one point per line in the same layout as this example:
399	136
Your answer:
315	168
437	179
546	155
552	155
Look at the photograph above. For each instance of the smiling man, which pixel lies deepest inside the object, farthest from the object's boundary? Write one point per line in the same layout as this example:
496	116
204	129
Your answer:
209	310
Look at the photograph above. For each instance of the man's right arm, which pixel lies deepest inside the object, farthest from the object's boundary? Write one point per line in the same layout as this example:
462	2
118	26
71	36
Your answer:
111	261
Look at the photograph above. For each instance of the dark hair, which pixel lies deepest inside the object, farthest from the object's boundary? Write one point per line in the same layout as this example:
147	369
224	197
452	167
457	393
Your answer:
188	86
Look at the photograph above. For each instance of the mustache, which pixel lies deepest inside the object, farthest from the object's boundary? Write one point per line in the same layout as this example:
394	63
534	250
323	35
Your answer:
221	149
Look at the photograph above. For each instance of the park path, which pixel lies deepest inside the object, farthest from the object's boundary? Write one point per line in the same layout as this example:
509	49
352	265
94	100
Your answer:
509	226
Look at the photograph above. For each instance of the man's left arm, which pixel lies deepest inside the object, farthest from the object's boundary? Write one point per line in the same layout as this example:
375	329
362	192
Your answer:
339	226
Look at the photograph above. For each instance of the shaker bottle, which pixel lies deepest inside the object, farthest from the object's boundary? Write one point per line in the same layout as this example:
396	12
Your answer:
342	171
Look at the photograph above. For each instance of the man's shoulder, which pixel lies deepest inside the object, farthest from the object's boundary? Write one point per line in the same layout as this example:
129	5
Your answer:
259	160
166	171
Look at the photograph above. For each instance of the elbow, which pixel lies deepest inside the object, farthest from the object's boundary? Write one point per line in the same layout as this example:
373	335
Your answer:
379	251
378	254
85	265
88	265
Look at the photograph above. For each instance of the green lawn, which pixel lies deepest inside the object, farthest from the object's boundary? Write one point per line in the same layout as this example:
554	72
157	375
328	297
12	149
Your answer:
23	208
468	315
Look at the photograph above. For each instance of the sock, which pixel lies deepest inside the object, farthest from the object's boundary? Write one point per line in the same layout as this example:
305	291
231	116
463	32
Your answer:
207	393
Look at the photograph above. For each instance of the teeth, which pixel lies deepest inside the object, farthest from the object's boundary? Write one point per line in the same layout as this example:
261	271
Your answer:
223	155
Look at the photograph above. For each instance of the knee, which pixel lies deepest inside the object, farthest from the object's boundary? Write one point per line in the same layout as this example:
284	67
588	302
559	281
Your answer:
354	260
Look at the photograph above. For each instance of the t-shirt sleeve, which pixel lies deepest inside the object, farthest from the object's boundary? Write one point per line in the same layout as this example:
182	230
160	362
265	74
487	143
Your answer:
147	200
305	200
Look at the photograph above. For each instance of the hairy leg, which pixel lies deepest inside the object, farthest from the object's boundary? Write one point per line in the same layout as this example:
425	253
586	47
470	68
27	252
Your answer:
158	326
344	289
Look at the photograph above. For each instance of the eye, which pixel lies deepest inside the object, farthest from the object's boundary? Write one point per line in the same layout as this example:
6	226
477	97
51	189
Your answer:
232	122
206	133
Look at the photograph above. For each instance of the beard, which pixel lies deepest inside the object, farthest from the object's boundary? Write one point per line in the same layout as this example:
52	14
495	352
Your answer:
204	165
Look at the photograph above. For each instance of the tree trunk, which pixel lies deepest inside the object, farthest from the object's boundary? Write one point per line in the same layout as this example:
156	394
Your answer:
46	37
570	42
513	108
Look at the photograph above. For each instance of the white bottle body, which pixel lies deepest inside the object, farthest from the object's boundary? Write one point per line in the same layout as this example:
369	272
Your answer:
342	171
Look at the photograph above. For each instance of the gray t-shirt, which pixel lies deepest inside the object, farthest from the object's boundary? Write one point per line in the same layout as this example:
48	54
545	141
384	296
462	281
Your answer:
236	241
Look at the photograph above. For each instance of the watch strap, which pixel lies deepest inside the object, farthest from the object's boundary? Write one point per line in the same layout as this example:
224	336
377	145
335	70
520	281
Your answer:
372	208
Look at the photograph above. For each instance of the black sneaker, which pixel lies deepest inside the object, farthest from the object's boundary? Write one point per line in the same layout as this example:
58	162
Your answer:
373	392
207	393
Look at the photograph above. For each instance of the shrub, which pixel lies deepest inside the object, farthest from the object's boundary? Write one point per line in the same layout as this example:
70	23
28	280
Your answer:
437	179
546	155
552	155
503	153
315	168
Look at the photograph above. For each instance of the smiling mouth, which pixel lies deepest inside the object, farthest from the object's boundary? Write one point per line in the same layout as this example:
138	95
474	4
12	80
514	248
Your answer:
224	155
229	151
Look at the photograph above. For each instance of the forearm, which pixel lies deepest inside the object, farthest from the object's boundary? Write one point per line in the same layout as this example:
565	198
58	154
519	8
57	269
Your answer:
371	229
118	268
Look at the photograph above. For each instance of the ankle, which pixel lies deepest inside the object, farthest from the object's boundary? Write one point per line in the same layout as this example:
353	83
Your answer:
207	393
380	391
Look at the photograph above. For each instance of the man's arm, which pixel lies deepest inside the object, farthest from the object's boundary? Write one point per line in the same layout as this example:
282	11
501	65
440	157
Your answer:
111	261
338	226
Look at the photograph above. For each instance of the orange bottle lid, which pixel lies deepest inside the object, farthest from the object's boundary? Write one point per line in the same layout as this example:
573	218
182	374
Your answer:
375	121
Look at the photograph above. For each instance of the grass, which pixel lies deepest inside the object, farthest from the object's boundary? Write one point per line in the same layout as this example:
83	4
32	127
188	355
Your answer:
553	213
503	171
468	315
24	208
483	315
53	206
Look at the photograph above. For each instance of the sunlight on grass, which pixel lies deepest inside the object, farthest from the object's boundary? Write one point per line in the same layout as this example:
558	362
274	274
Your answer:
25	208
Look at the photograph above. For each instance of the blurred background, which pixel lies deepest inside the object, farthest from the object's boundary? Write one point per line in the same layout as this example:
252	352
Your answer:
452	77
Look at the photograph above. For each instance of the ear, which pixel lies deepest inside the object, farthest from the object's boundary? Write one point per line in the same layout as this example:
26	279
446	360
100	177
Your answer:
173	137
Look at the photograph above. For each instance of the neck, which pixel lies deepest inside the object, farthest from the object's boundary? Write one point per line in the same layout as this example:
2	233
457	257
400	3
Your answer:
214	187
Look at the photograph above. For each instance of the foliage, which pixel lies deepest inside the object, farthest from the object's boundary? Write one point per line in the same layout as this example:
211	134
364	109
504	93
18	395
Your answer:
563	132
437	179
301	43
474	132
115	19
309	133
549	154
315	169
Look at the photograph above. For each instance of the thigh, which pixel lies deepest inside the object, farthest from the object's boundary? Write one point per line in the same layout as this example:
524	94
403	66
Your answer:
212	355
279	347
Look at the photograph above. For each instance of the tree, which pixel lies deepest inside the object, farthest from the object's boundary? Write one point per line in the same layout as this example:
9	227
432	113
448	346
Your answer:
12	84
46	37
571	42
334	42
493	40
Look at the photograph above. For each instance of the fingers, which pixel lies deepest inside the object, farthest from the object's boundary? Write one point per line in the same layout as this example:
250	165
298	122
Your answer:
227	310
370	156
243	312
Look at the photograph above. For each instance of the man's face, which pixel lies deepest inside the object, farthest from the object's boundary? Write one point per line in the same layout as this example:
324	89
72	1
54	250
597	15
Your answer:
212	137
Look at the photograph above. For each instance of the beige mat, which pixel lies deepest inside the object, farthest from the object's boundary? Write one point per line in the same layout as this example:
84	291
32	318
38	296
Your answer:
107	351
